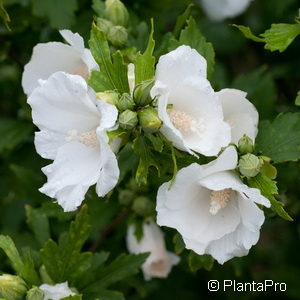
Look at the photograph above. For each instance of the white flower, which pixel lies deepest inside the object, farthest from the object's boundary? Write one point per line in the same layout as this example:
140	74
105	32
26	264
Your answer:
212	209
48	58
218	10
239	113
131	77
160	261
72	127
56	292
188	106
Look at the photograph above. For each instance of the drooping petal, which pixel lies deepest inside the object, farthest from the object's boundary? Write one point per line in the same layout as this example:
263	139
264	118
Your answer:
75	168
240	113
47	59
179	64
218	10
108	170
63	103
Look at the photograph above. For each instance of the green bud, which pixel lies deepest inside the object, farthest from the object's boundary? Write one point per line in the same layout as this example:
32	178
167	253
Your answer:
35	294
141	93
116	12
249	165
128	119
142	206
12	287
110	97
149	120
125	197
104	25
125	102
117	35
245	144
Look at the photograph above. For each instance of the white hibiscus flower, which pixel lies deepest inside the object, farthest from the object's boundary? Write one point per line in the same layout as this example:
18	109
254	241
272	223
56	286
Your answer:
56	292
188	106
160	261
212	209
72	132
218	10
48	58
239	113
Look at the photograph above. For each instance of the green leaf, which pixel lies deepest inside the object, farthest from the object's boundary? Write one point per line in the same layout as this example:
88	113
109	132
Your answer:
122	267
113	74
145	63
297	101
4	15
61	14
192	37
39	224
197	262
64	262
13	133
75	297
280	139
280	36
268	189
156	141
179	244
102	294
248	33
147	160
182	19
24	268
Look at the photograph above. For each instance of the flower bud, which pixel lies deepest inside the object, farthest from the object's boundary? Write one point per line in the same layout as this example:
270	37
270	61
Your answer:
125	102
104	25
116	12
249	165
142	206
110	97
149	120
125	197
128	119
35	294
141	93
117	35
12	287
245	144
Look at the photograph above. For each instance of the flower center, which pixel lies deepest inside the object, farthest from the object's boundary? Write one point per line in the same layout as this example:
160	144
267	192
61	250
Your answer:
87	138
82	71
219	200
185	122
158	266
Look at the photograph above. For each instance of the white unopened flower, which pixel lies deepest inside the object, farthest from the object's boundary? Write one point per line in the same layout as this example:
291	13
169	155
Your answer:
72	132
56	292
218	10
160	261
212	209
48	58
239	113
188	106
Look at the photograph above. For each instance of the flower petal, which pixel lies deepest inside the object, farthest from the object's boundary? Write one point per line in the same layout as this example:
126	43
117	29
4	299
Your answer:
47	59
178	64
74	39
75	168
108	170
240	113
63	103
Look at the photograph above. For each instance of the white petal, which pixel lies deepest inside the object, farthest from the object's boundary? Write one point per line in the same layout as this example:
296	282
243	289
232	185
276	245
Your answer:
57	291
47	59
109	169
48	142
75	168
178	64
63	103
225	180
193	219
131	77
108	114
240	113
218	10
74	39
